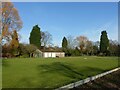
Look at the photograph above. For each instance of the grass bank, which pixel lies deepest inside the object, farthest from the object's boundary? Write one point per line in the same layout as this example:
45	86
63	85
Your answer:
52	72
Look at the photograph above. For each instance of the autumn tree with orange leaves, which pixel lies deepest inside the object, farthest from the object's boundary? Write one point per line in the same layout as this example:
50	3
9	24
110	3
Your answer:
14	42
10	21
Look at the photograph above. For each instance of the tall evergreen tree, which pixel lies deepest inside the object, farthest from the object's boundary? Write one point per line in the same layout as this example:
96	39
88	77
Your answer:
65	46
64	43
35	36
104	42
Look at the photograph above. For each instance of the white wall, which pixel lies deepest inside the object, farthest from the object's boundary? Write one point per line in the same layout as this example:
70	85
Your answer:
45	54
49	54
52	54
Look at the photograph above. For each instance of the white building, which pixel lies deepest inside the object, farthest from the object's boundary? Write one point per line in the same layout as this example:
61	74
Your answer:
53	54
48	53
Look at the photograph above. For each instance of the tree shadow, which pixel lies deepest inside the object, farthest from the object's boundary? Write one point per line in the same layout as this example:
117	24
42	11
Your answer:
68	71
62	69
56	68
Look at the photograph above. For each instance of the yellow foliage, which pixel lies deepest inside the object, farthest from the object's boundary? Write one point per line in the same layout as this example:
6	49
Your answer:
10	20
14	42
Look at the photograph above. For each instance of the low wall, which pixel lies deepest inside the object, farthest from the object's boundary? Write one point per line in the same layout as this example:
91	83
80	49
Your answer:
78	83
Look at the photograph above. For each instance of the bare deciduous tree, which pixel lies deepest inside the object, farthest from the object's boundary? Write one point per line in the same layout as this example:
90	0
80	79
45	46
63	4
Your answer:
89	47
82	40
72	42
46	38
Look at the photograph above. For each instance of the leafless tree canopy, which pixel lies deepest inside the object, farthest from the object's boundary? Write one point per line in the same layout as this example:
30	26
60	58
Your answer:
46	38
72	42
82	40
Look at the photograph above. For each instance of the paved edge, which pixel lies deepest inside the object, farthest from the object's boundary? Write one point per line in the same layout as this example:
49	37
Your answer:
78	83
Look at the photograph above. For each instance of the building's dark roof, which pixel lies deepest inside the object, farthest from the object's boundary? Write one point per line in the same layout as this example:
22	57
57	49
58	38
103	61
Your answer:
51	49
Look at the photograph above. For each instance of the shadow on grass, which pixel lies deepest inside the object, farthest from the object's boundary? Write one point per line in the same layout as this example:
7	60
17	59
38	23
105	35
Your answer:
68	71
59	69
62	69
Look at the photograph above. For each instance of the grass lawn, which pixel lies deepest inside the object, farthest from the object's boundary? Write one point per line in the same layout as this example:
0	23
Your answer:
52	72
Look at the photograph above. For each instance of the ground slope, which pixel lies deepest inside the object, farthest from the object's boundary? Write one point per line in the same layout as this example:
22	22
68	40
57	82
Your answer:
52	72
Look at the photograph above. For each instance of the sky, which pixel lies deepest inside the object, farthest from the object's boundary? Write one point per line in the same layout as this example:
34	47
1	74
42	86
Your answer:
69	18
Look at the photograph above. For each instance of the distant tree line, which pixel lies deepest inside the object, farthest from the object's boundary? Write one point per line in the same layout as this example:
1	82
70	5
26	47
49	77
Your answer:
81	45
37	39
78	46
